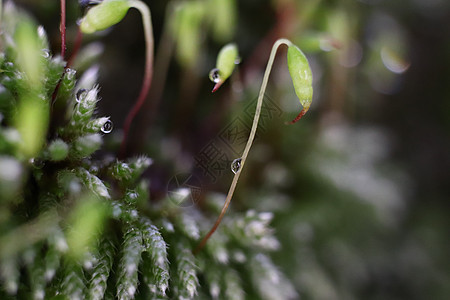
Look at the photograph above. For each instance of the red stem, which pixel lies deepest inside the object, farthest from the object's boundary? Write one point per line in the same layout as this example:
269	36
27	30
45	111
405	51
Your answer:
300	115
135	109
62	28
146	82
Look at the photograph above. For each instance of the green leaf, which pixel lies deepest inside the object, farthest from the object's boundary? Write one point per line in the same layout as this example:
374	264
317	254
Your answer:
86	145
72	285
301	77
104	15
226	61
127	270
92	182
186	283
156	267
102	269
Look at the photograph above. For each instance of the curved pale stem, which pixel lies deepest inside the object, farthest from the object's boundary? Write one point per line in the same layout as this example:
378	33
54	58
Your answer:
146	83
275	46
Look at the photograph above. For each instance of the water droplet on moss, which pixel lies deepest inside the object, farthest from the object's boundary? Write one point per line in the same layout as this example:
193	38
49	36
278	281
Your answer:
214	75
236	165
107	127
37	163
81	93
45	53
70	74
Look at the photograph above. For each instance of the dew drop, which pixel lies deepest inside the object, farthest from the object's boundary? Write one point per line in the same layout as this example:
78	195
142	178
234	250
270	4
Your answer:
236	165
107	127
81	93
37	163
237	60
45	53
70	74
214	75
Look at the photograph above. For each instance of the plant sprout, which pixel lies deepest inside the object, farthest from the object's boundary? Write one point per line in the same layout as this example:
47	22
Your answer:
227	58
301	75
109	13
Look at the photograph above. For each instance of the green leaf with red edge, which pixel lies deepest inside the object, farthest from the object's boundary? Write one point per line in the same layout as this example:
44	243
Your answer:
302	79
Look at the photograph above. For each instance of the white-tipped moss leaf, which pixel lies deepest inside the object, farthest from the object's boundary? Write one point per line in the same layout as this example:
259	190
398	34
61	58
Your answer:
104	15
301	78
225	64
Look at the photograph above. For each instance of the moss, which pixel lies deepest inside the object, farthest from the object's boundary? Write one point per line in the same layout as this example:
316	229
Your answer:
84	227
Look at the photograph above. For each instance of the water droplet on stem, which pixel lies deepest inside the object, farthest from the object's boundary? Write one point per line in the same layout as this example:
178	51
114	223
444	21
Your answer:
236	165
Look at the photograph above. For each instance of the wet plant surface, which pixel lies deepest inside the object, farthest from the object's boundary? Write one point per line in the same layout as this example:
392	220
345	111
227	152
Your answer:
115	157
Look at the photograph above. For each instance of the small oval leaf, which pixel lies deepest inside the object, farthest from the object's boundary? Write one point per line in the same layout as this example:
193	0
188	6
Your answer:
301	76
226	61
104	15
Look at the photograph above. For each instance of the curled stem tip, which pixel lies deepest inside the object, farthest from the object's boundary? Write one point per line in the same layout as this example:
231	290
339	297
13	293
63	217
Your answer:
146	83
234	182
299	116
109	13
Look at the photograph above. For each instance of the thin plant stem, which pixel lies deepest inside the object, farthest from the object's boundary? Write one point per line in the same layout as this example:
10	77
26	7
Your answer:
62	28
163	55
146	83
275	46
161	65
